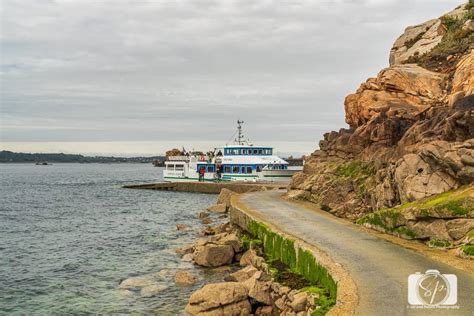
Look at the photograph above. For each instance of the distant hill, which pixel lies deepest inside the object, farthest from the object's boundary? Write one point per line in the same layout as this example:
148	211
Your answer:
9	156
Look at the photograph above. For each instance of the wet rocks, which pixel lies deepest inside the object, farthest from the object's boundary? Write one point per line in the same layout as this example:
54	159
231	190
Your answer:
184	278
182	227
213	255
229	298
242	274
218	208
185	250
139	282
148	285
152	290
251	258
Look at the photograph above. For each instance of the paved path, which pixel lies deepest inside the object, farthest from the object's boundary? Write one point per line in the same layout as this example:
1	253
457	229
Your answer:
379	268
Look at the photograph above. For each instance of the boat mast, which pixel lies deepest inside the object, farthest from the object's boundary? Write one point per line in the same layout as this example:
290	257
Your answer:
240	136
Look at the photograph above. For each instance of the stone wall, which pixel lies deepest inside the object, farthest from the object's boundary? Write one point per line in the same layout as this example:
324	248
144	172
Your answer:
300	256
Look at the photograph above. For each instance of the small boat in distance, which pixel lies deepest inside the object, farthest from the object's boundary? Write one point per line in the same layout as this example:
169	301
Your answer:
239	162
44	163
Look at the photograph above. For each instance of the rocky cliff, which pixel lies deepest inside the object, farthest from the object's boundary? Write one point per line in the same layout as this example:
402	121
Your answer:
411	133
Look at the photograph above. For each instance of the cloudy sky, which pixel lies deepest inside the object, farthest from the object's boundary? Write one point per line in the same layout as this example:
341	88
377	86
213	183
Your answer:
139	77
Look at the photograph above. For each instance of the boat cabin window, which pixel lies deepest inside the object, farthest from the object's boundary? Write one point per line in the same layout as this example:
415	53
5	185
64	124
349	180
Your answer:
235	169
179	167
259	168
260	151
169	167
227	169
249	169
210	169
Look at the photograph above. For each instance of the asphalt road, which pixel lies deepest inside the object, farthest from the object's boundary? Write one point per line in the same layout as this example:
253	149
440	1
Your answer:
379	268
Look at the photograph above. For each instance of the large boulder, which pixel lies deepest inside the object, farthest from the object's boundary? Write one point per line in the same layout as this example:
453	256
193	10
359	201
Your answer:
430	229
458	228
259	287
251	258
218	208
242	274
230	298
463	79
399	90
213	255
228	239
421	39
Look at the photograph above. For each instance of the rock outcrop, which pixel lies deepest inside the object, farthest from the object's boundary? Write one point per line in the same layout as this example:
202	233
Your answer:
228	298
251	291
411	129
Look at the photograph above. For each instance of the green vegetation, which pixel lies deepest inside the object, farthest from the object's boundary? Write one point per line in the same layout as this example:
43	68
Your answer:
390	220
298	261
471	233
455	41
248	241
404	232
468	250
357	170
459	202
433	243
409	44
453	203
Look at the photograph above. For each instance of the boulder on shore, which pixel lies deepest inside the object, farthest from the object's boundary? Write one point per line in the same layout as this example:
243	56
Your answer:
220	299
213	255
218	208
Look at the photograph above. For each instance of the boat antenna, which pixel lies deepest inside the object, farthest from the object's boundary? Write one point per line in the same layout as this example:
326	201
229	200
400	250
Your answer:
240	136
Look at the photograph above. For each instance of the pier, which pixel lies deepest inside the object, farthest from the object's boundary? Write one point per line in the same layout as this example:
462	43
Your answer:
208	187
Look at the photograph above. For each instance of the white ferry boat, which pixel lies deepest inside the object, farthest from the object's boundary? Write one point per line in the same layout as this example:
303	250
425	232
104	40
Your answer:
239	162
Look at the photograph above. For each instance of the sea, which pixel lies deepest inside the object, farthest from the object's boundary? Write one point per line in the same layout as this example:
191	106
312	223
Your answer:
69	234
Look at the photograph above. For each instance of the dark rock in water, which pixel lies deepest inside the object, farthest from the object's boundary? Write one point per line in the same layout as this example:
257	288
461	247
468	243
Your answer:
182	227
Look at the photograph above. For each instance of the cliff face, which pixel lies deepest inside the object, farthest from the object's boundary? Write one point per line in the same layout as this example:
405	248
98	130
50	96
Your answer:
411	127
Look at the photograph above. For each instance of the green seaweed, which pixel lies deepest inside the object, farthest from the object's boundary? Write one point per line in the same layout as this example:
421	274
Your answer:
355	169
433	243
299	261
468	250
405	232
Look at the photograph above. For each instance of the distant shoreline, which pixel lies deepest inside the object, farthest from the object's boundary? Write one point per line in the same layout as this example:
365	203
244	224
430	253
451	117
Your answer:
13	157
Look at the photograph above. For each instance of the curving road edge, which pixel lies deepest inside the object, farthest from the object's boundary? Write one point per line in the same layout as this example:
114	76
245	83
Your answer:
371	272
347	297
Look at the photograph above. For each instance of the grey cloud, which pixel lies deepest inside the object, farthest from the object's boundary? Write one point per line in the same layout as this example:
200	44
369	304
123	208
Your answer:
166	70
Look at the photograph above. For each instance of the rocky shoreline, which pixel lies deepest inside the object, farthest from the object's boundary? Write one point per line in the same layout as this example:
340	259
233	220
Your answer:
255	283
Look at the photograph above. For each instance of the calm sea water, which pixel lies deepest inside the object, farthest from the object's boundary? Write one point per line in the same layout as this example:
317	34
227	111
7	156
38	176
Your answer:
69	234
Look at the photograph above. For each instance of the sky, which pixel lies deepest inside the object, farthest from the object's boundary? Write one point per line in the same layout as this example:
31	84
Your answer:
140	77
